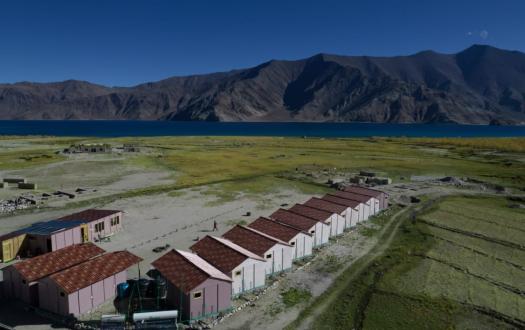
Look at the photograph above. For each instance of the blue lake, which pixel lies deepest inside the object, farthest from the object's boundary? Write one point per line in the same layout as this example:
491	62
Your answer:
110	128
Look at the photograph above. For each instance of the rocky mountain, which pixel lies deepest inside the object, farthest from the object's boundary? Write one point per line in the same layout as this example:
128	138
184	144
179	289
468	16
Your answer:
479	85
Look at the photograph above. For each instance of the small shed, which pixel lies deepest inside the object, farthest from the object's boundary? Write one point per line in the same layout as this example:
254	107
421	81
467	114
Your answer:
100	223
81	288
368	201
319	230
12	245
195	288
21	279
301	241
48	236
354	210
245	268
350	215
277	253
335	220
381	196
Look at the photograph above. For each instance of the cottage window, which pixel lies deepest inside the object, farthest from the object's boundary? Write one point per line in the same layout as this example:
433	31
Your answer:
292	243
269	256
238	273
197	295
62	294
24	281
312	231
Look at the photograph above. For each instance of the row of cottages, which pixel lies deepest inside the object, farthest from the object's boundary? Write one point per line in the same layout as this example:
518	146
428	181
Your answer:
73	280
43	237
201	284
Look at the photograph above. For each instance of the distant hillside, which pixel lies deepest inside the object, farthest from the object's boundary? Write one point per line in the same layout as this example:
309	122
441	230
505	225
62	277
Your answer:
479	85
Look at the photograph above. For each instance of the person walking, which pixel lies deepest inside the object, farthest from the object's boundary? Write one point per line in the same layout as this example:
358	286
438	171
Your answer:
215	228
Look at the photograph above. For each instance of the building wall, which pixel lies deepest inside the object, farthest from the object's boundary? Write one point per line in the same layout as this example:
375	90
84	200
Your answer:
81	301
12	247
14	285
301	246
247	276
65	238
37	244
321	233
337	225
215	297
280	259
179	301
108	228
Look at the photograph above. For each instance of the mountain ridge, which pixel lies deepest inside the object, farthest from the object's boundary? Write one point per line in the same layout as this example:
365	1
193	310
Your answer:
479	85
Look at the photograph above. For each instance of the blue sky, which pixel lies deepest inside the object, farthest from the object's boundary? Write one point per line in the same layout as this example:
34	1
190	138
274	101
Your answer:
129	42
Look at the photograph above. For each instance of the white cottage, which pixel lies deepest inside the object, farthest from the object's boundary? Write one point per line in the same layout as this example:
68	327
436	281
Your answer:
277	253
300	241
318	229
355	211
336	220
245	268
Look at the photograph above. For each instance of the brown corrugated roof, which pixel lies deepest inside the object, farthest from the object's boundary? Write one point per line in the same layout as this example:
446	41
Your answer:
276	229
341	201
89	215
311	212
363	191
352	196
186	272
94	270
52	262
250	240
293	219
220	255
322	204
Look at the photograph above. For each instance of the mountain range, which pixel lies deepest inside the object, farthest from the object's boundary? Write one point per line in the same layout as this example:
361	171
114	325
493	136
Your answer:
479	85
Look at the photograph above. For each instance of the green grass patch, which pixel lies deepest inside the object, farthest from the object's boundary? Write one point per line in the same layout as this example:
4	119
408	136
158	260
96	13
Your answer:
295	296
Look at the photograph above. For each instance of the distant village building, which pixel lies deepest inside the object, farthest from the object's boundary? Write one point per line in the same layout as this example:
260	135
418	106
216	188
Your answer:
277	254
88	148
22	279
320	230
129	147
300	241
245	268
335	220
194	287
100	223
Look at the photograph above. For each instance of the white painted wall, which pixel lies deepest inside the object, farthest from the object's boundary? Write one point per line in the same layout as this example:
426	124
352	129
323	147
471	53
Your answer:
278	258
252	276
321	233
301	246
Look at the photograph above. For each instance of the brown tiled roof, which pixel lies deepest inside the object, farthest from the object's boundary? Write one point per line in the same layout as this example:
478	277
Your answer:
341	201
89	215
52	262
293	219
363	191
322	204
186	270
352	196
276	229
94	270
251	240
311	212
220	255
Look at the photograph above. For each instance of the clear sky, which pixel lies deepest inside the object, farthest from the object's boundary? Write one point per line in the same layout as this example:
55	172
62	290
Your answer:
129	42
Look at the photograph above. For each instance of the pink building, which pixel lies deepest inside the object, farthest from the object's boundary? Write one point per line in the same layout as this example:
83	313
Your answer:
195	288
22	279
81	288
100	223
44	237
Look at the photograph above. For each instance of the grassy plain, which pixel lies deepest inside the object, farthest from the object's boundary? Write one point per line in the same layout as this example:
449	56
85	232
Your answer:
437	278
